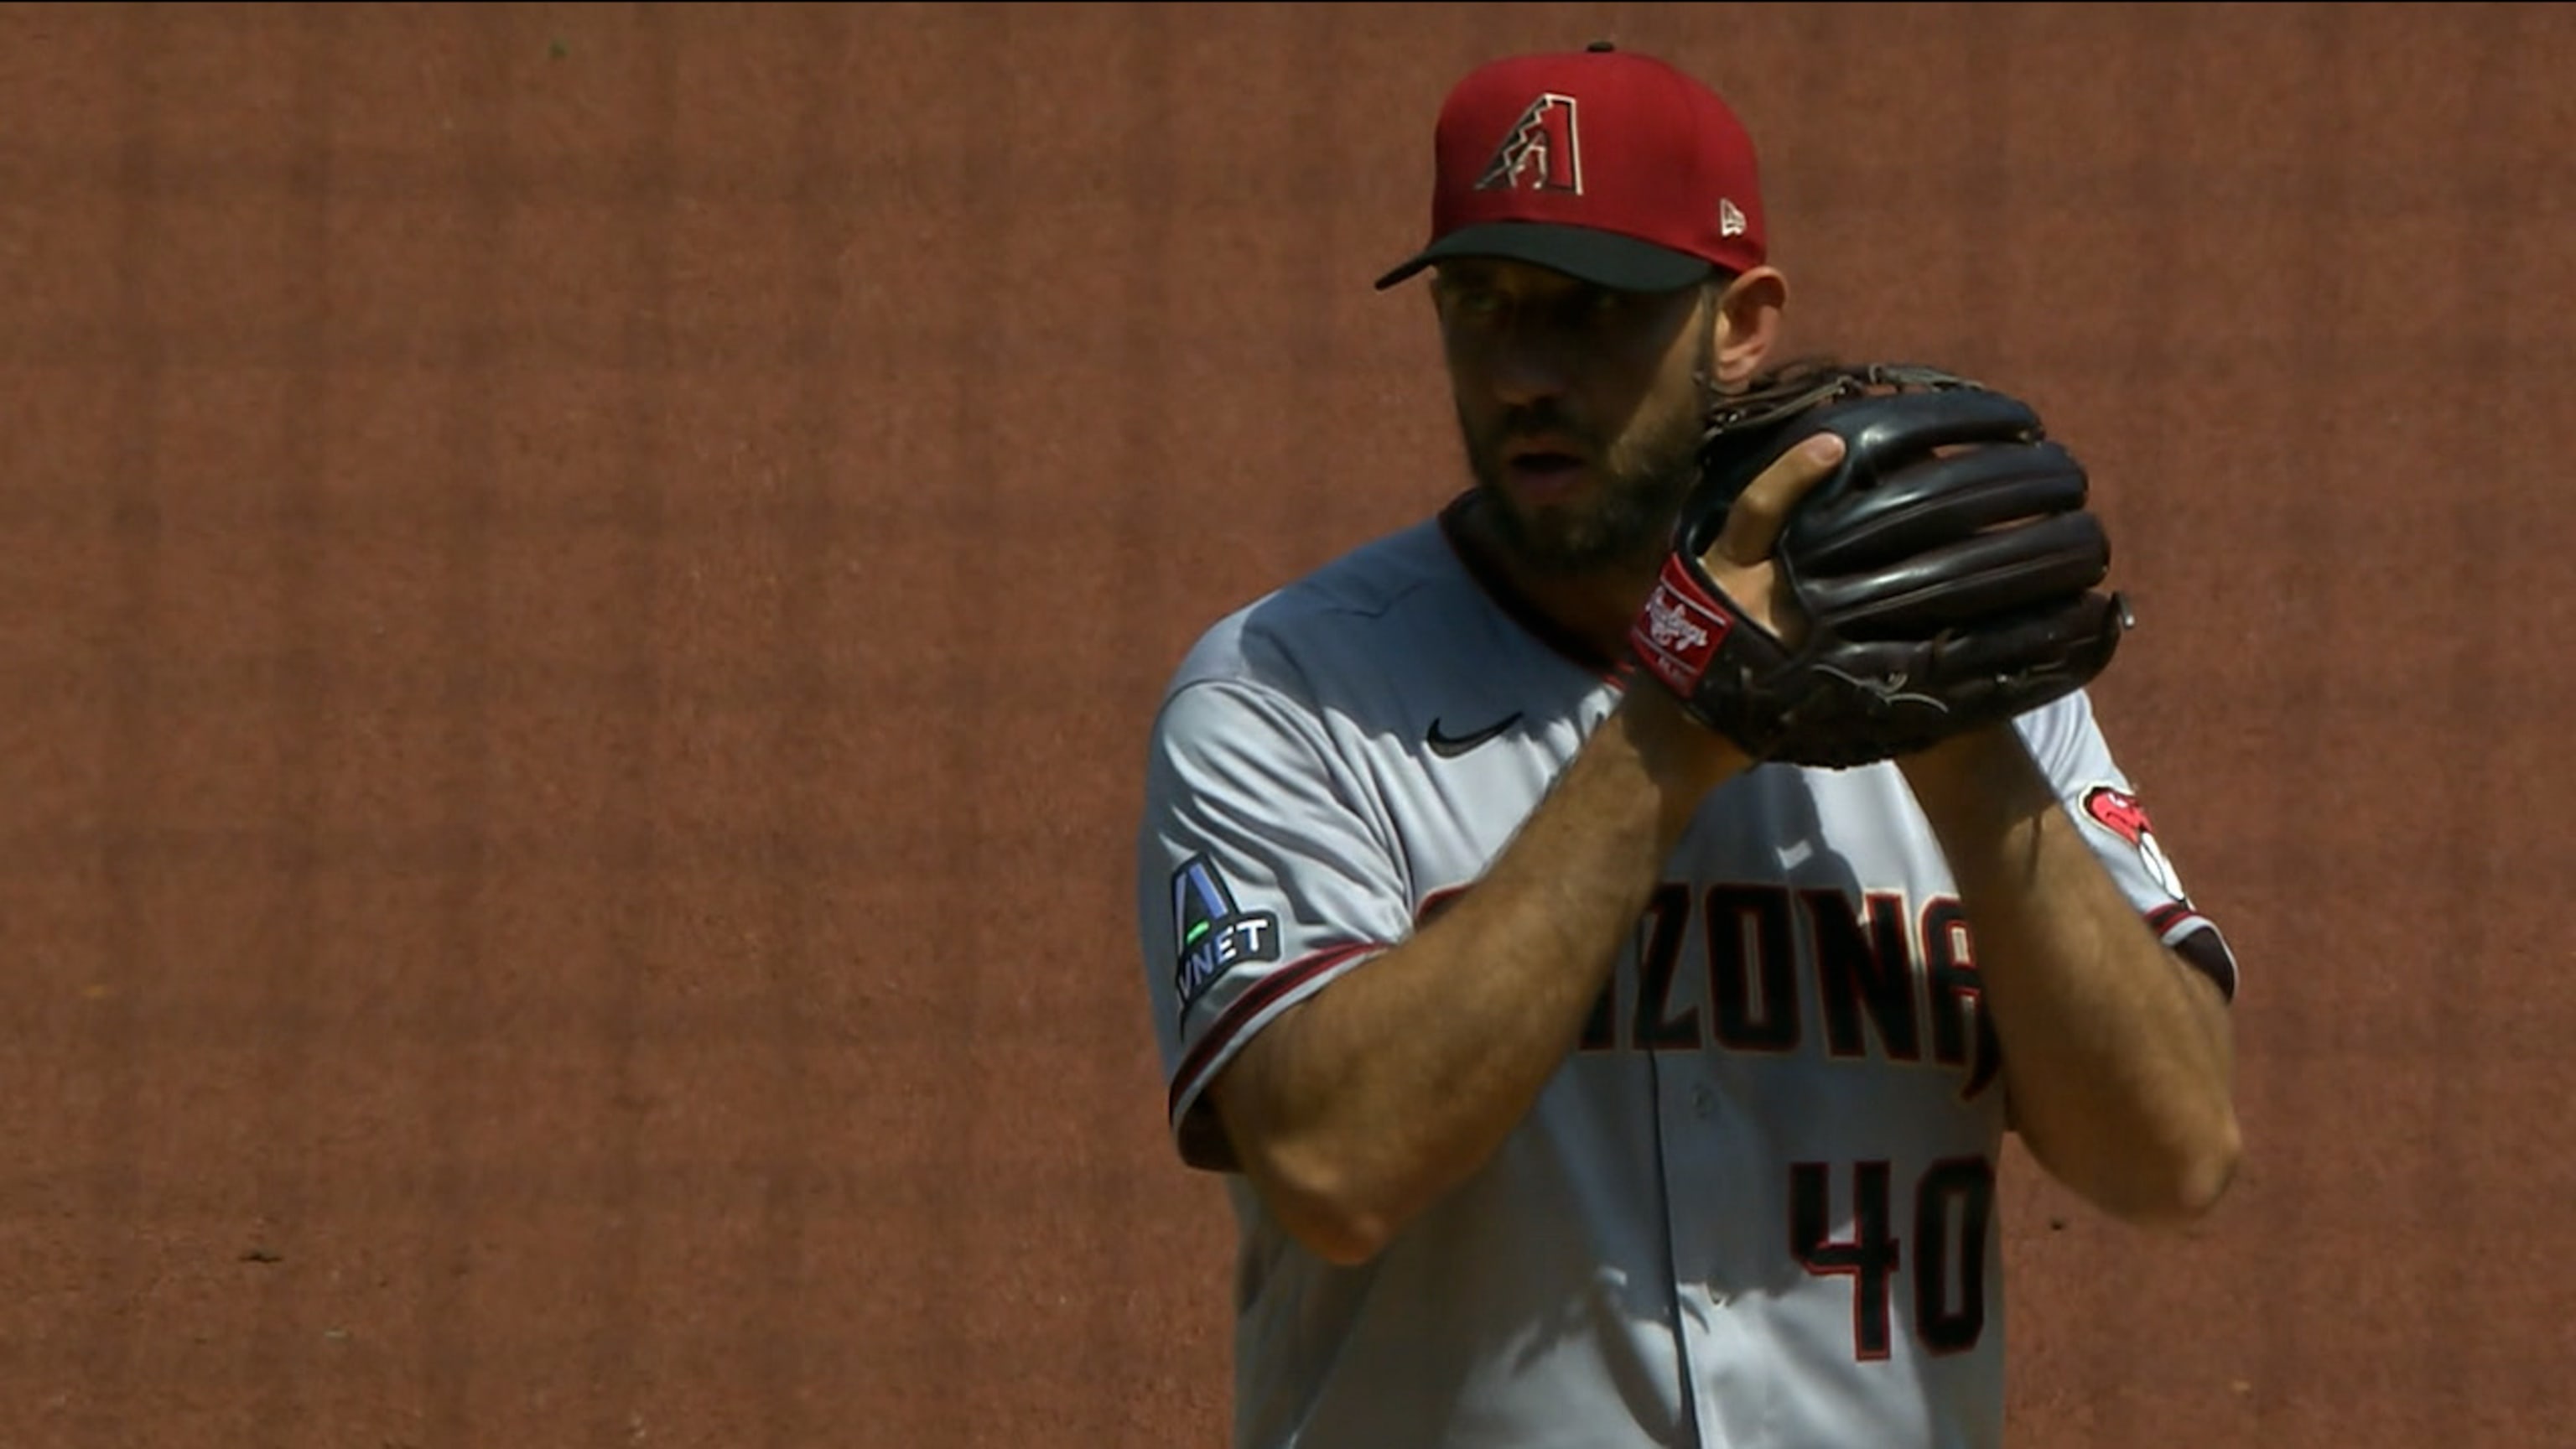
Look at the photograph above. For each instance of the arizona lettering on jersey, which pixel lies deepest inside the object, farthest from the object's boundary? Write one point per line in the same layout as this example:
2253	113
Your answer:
1756	1206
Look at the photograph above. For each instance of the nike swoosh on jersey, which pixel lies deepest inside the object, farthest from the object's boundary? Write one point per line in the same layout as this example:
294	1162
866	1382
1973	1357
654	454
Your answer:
1449	746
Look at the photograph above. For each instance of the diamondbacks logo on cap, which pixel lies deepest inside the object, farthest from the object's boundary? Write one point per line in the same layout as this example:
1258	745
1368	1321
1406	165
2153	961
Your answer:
1542	151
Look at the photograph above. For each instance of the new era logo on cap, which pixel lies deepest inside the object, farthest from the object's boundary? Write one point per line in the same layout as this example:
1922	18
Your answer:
1614	167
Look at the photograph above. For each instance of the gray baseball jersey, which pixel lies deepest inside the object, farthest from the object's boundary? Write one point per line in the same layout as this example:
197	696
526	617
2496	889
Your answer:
1756	1207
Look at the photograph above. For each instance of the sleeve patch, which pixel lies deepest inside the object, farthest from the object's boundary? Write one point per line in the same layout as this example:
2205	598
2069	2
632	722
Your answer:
1213	934
2124	815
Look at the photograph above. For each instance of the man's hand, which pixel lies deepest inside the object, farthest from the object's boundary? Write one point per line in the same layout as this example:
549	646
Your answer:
1943	575
1740	562
1676	747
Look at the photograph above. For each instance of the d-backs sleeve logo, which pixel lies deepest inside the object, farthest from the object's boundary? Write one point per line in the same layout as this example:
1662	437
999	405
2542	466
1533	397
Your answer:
1213	932
2124	815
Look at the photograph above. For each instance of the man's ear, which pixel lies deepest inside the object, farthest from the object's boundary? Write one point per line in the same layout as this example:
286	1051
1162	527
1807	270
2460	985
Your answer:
1748	323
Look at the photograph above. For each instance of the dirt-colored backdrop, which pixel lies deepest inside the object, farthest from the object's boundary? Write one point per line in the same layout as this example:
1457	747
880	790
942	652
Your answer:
582	583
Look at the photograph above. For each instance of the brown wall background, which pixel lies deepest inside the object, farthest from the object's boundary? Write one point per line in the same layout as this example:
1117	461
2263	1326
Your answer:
582	584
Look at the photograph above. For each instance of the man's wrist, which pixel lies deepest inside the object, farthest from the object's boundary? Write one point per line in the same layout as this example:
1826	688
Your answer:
1985	773
1685	758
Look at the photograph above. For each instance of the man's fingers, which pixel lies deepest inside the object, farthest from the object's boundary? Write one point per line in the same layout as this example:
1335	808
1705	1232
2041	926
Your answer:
1754	521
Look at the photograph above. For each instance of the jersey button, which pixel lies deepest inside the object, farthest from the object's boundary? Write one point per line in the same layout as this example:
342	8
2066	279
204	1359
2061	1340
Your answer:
1703	1099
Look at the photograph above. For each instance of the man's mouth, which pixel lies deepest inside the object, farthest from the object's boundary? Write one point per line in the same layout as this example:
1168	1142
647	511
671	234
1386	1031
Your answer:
1542	472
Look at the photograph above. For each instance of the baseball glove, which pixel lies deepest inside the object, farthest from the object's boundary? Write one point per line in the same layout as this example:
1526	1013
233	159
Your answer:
1945	576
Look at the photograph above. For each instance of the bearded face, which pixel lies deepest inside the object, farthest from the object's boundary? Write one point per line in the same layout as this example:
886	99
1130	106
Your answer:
1580	409
1566	501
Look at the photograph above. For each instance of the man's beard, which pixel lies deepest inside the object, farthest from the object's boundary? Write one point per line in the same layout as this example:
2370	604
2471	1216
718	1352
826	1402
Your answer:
1627	522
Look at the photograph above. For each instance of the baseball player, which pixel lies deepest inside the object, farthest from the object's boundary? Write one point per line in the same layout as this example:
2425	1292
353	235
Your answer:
1578	1082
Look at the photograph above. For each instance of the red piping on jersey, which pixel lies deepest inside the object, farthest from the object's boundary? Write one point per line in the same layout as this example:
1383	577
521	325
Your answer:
2197	940
1255	1000
2200	946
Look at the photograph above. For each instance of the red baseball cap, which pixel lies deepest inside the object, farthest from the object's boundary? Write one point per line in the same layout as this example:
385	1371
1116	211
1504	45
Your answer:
1610	166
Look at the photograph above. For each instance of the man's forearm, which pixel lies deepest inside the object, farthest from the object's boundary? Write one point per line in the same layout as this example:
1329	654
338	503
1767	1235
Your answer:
2117	1056
1370	1101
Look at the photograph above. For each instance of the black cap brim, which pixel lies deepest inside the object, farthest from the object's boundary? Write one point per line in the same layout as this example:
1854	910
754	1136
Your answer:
1602	258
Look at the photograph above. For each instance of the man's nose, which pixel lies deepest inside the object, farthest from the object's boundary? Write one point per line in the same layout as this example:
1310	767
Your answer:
1532	365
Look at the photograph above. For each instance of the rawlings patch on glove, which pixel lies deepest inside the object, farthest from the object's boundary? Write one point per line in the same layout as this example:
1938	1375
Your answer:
1945	576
